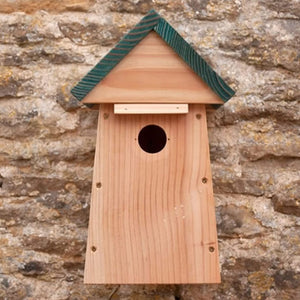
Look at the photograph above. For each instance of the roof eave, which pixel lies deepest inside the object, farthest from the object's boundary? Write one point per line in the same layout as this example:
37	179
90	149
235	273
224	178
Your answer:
153	21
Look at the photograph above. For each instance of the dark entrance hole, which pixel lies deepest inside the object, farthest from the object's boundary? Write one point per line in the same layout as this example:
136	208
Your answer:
152	138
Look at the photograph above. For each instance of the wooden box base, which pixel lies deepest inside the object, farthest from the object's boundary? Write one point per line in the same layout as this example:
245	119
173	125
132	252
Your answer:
152	217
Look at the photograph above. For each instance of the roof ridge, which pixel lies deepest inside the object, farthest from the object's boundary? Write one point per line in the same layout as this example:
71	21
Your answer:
153	21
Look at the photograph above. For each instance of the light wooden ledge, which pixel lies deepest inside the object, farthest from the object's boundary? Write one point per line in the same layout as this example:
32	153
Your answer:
151	108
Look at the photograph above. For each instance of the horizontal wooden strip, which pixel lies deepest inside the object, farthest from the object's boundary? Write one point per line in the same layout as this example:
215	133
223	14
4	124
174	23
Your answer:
151	108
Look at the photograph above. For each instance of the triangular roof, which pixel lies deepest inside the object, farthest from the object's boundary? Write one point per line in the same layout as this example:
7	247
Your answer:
153	21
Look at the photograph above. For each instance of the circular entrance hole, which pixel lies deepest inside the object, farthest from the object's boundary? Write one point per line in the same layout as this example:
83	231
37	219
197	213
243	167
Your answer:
152	138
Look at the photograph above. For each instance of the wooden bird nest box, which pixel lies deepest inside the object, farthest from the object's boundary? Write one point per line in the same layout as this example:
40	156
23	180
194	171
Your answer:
152	216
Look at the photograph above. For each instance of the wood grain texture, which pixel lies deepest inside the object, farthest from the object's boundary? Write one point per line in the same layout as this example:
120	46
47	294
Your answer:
152	217
152	73
153	22
151	108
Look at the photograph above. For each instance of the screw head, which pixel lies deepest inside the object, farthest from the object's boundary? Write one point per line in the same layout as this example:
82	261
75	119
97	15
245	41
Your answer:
93	248
204	180
98	185
211	249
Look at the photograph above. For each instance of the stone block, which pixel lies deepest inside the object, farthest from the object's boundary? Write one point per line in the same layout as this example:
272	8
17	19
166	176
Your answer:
264	137
256	46
53	55
91	33
65	99
9	83
286	8
33	268
28	6
143	6
214	10
287	199
237	221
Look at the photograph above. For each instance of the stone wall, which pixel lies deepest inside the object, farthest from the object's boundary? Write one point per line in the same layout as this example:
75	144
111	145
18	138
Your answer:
47	143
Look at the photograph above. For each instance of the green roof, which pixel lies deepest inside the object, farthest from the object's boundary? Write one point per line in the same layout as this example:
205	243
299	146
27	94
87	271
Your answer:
153	21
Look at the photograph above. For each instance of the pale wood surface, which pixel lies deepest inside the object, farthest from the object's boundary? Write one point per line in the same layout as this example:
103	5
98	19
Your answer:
152	73
151	108
152	218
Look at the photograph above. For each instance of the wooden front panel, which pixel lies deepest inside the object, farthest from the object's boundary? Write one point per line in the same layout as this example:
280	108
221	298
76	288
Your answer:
152	216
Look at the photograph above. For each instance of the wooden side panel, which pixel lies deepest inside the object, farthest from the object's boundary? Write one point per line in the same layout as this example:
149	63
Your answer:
152	216
152	73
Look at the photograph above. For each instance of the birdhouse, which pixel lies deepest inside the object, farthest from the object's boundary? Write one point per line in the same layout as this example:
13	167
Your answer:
152	215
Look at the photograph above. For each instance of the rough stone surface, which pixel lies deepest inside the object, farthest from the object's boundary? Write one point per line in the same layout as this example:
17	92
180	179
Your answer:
262	46
285	9
143	6
214	9
237	221
48	54
90	33
47	144
8	85
29	6
287	199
